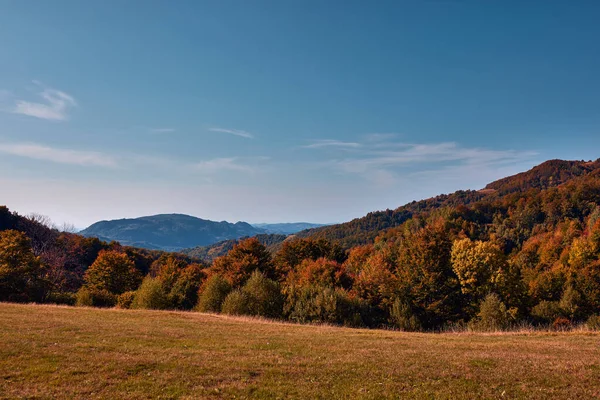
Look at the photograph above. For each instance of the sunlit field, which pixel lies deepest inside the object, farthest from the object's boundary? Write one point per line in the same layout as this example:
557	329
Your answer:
64	352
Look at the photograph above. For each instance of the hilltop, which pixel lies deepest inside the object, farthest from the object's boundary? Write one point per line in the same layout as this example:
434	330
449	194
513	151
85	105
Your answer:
170	232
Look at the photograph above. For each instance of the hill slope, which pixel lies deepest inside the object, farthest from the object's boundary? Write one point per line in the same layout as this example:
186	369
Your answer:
364	230
210	252
169	231
61	352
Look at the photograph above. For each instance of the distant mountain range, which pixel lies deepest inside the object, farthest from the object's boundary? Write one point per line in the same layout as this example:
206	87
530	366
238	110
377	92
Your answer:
174	232
208	239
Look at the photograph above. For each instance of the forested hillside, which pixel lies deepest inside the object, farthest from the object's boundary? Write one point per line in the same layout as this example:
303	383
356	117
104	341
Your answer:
526	249
208	253
364	230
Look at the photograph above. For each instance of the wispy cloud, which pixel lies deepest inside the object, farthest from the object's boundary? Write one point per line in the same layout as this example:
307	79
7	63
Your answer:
59	155
55	107
331	143
235	132
162	130
222	164
382	160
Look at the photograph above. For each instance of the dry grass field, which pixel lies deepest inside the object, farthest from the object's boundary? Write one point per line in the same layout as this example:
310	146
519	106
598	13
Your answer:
63	352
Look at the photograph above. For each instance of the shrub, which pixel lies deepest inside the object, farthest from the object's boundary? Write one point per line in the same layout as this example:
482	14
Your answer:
561	324
402	317
212	294
570	303
593	323
124	300
236	303
324	304
546	311
263	296
90	297
84	298
67	298
150	295
492	315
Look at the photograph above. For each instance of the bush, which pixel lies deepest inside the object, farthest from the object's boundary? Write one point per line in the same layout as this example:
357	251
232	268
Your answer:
236	303
546	311
212	294
562	324
84	298
87	297
492	315
593	323
324	304
402	317
124	300
66	298
570	303
263	296
150	296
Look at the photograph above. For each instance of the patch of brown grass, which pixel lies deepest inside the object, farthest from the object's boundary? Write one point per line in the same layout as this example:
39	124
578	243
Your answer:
64	352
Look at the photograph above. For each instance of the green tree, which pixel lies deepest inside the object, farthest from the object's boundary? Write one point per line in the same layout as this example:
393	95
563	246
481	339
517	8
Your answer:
403	318
263	295
184	292
492	314
114	272
150	295
212	294
236	303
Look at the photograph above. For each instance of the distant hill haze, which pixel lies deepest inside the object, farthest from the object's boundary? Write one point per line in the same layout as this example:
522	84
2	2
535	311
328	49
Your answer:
170	232
207	239
174	232
287	228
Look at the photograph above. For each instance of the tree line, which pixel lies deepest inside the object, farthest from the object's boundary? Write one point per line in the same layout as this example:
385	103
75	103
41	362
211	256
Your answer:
492	262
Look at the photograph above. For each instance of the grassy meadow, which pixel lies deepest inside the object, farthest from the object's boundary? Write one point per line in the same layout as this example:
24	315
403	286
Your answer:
65	352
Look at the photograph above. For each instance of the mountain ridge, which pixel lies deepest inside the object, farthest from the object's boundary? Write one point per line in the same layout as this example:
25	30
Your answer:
364	230
171	232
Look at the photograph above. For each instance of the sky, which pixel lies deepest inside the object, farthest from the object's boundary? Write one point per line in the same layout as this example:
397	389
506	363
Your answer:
283	111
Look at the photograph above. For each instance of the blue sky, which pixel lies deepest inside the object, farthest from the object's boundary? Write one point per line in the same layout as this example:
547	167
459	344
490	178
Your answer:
275	111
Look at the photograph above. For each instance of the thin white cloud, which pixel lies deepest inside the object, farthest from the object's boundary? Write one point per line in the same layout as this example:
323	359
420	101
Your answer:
381	160
58	155
331	143
55	108
162	130
221	164
235	132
